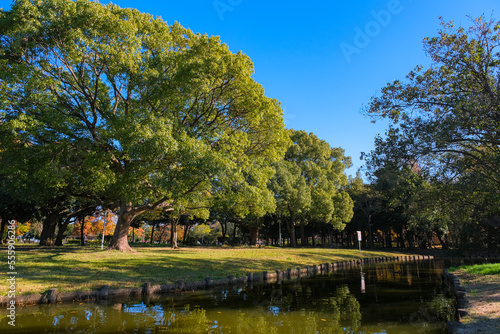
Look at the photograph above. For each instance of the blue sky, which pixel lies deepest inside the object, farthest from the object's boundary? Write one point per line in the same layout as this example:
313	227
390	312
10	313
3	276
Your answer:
323	60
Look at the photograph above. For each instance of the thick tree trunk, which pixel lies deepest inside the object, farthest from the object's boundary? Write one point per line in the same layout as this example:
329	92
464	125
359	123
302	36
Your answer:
291	230
152	233
49	230
120	236
254	235
303	237
186	231
63	226
82	235
173	233
291	227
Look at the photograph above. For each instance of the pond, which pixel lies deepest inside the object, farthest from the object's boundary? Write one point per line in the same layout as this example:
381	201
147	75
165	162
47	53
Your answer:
394	297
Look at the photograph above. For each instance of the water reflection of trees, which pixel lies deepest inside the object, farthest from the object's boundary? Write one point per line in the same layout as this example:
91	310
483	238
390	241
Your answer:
316	306
334	313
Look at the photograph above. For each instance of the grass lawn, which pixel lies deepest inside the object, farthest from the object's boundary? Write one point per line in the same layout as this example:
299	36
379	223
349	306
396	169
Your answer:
74	268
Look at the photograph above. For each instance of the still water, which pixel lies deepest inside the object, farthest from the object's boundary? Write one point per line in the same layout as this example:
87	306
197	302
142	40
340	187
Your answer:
383	298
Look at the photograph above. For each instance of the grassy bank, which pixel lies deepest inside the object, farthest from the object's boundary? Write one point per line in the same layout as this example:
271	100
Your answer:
479	269
77	269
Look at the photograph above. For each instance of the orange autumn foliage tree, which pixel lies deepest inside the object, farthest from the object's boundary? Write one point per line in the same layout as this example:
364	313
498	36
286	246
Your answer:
22	228
138	233
93	226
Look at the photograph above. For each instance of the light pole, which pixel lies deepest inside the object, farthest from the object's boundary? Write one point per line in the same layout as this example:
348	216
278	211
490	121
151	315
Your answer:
104	228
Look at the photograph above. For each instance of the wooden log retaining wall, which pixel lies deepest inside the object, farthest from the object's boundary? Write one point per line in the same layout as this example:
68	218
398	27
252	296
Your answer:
53	296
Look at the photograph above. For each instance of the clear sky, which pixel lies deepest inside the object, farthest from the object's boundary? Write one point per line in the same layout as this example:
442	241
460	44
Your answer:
323	60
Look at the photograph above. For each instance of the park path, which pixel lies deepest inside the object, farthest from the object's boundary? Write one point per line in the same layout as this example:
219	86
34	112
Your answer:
483	293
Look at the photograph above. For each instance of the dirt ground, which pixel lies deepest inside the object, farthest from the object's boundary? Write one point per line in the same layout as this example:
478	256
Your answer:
483	293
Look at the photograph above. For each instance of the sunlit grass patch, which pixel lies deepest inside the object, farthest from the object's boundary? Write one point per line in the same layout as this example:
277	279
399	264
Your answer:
75	268
480	269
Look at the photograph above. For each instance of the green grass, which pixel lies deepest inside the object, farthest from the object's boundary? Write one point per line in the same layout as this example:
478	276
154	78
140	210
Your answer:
75	268
480	269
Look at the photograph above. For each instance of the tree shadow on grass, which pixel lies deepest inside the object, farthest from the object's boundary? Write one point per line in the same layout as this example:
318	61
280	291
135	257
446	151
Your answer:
117	273
48	267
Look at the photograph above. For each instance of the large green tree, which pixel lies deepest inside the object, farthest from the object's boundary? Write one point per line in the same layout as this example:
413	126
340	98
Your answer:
138	113
310	183
446	119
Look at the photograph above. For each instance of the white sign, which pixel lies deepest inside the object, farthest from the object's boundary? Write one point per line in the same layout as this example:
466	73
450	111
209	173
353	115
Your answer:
359	235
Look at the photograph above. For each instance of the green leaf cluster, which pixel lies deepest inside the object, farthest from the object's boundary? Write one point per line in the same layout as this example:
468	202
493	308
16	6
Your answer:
310	182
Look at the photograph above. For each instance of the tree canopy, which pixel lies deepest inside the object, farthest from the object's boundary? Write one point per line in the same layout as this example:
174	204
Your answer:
112	104
446	117
310	183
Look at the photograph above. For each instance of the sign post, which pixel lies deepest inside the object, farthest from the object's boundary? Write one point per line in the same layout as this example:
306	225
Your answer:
359	241
104	228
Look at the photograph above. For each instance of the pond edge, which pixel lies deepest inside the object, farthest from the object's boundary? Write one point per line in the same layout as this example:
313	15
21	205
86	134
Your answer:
53	296
147	290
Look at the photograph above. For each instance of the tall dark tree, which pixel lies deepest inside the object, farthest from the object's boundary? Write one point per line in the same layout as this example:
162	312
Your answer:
367	203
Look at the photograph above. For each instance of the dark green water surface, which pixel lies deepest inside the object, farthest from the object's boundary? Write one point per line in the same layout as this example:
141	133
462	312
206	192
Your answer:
384	298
